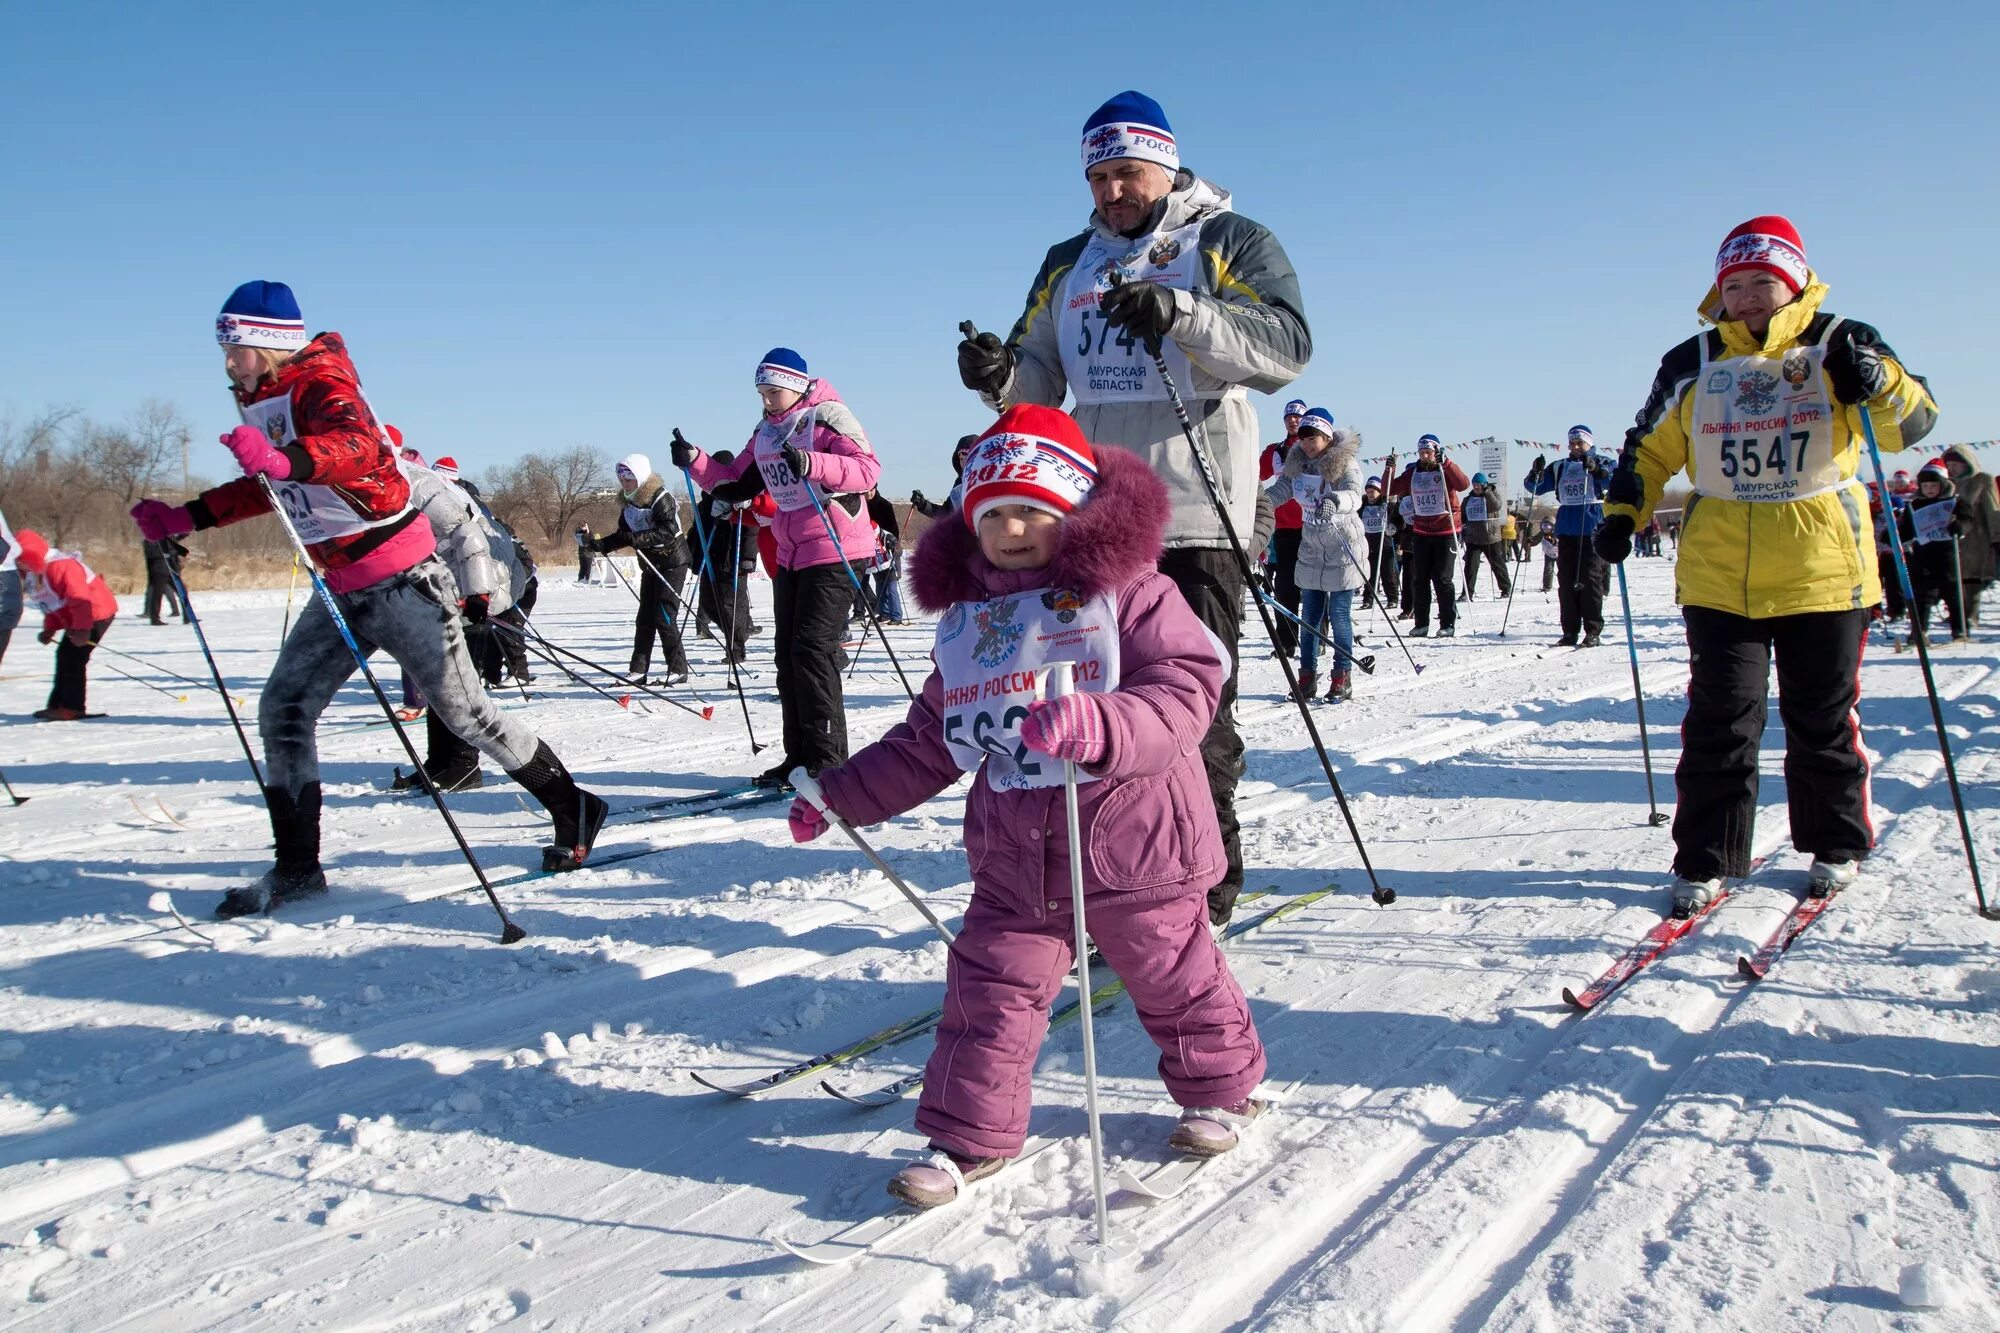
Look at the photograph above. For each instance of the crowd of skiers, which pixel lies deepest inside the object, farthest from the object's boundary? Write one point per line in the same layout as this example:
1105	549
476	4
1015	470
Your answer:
1121	535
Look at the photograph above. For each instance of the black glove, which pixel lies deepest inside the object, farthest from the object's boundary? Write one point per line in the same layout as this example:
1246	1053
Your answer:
917	499
1854	364
683	453
476	607
795	459
1535	468
1143	309
1625	489
1613	539
985	364
46	636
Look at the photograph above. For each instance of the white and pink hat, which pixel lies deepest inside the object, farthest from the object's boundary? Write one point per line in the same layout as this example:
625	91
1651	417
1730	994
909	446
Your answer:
1770	243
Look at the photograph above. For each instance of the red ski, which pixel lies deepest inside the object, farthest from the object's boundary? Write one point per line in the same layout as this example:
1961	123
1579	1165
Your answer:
1656	942
1803	914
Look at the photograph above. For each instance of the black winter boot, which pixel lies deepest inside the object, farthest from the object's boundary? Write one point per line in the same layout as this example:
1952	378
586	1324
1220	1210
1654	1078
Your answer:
577	814
297	874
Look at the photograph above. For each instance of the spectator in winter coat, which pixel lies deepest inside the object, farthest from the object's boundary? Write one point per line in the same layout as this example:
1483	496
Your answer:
1582	579
1979	519
1062	567
932	508
1932	529
585	551
1433	484
649	525
1485	535
1551	556
1287	519
1166	262
1764	413
309	438
1322	476
10	584
76	604
808	453
163	561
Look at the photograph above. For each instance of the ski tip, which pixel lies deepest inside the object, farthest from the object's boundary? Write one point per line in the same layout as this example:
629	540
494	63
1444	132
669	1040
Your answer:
1748	970
1574	1001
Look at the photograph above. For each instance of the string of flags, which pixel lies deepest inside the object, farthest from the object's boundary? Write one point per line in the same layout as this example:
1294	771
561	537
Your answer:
1919	449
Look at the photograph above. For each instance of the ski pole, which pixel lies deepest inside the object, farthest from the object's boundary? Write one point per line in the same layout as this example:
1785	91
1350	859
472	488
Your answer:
806	785
1654	819
1365	664
291	586
1383	894
1381	605
228	704
1964	626
826	521
177	698
532	645
1930	681
970	332
705	714
715	591
171	675
12	795
669	620
510	930
1061	681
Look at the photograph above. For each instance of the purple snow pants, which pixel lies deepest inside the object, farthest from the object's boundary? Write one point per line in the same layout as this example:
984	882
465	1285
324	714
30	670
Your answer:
1007	969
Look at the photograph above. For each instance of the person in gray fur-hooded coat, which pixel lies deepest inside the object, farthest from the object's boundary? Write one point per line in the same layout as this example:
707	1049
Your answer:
1323	473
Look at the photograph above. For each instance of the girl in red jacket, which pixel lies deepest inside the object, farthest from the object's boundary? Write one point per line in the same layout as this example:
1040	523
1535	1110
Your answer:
308	430
76	603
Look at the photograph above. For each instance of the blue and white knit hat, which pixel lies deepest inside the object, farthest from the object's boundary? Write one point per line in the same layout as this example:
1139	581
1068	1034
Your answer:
1295	408
785	368
1430	440
1581	433
262	314
1130	125
1318	419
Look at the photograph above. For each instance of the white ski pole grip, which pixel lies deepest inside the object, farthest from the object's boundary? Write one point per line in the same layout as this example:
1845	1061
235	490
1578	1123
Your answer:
806	785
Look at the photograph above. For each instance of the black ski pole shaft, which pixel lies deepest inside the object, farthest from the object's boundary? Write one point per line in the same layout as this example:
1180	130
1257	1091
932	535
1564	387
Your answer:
1416	667
1654	818
510	930
12	795
1930	681
228	703
1512	584
731	646
706	714
1366	664
826	520
150	666
136	680
715	596
1383	894
529	643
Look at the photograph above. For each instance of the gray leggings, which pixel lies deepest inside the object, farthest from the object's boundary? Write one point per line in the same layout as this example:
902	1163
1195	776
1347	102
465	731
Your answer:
406	616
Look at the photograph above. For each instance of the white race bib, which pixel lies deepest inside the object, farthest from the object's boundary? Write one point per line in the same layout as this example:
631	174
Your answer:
35	588
786	486
990	654
1933	521
1474	508
1108	365
1405	507
1373	518
1763	427
1427	493
320	513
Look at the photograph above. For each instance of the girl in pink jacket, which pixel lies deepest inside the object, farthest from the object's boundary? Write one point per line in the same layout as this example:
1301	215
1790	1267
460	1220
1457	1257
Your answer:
1054	560
808	454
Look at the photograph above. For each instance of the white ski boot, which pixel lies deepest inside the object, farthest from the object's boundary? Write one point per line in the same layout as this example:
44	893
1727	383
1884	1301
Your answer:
1827	878
1691	895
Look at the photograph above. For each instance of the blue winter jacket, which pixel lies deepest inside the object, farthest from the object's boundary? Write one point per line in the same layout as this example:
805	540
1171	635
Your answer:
1578	520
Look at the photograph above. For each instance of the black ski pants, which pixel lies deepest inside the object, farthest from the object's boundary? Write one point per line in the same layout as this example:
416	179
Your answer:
1381	569
160	591
1582	580
1434	572
1826	773
1495	555
72	667
659	615
1212	583
1285	562
811	609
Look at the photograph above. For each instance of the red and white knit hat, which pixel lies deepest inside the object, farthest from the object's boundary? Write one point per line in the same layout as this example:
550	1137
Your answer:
1770	243
446	467
1033	456
1936	471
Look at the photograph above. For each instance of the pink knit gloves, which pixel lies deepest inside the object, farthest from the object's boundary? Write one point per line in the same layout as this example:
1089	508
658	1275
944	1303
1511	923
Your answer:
256	455
806	820
158	520
1071	728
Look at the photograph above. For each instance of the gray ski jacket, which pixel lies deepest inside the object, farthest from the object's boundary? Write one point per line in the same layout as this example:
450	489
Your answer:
1333	546
461	537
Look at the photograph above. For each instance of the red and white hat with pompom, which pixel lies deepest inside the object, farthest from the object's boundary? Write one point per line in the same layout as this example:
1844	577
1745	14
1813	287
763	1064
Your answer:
1033	456
446	467
1770	243
1936	471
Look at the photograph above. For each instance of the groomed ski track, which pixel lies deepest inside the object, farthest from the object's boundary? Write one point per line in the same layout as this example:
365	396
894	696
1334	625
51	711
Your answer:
353	1119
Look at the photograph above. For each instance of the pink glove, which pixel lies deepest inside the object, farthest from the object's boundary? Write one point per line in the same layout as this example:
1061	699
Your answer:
806	820
1071	727
159	520
256	455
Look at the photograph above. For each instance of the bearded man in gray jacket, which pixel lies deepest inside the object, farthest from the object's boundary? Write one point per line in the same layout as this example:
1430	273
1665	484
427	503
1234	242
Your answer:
1165	259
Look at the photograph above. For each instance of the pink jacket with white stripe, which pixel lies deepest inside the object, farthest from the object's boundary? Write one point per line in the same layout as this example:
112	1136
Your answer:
840	464
1149	825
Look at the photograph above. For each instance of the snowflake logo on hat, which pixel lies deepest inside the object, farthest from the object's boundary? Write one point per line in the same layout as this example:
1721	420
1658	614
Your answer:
1757	392
1102	137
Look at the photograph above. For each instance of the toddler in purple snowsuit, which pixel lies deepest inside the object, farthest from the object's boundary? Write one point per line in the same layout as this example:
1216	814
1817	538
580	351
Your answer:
1054	559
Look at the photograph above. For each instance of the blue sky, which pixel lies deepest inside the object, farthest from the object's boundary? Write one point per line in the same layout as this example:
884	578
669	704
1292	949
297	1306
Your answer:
539	226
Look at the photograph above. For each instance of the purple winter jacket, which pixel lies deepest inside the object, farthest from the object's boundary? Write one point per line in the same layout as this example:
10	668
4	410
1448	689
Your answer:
840	462
1149	823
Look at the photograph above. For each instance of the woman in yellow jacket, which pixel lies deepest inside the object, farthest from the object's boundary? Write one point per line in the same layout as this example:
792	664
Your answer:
1777	554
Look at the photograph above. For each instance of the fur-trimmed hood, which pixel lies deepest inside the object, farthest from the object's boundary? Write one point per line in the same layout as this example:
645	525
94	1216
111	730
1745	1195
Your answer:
1333	461
1109	540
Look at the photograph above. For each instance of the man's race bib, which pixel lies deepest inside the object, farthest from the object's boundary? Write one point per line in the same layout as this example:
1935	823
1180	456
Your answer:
1427	493
1373	518
320	513
1474	508
1109	365
1573	483
786	486
1933	521
1763	427
991	654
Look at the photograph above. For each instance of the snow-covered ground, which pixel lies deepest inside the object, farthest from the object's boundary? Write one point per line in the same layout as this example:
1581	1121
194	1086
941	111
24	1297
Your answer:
367	1113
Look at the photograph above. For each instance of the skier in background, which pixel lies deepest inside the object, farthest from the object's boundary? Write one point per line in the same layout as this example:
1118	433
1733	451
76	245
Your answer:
77	605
